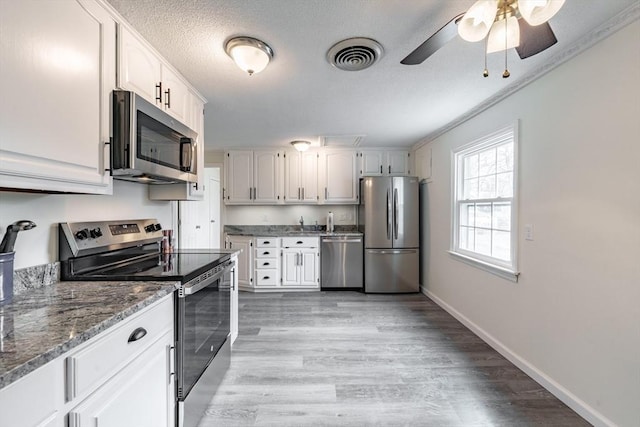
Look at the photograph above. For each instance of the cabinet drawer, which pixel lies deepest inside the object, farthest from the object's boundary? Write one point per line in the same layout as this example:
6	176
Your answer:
100	360
299	242
266	253
266	263
266	277
266	242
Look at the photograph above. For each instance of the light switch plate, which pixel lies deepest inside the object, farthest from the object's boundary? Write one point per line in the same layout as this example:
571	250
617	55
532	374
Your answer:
528	232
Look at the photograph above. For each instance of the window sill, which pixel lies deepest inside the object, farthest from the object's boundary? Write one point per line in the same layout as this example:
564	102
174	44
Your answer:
505	273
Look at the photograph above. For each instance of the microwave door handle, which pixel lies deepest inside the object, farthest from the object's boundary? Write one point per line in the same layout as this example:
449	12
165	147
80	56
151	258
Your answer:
186	154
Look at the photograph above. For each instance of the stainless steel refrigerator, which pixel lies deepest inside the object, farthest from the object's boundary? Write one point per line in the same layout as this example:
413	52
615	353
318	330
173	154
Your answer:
388	216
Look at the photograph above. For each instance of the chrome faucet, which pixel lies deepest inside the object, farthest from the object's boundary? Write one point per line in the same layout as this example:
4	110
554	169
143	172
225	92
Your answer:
301	223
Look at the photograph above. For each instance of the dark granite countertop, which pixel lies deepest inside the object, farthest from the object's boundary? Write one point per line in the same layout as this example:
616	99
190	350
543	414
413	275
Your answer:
44	323
286	231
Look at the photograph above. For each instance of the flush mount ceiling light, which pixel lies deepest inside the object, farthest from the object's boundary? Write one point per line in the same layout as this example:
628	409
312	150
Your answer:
251	55
498	19
300	145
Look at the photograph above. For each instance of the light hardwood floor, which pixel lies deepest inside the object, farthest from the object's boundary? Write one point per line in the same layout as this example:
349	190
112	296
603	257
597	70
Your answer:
353	359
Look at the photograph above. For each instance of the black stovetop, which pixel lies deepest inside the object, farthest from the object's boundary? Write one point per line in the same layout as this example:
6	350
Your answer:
179	266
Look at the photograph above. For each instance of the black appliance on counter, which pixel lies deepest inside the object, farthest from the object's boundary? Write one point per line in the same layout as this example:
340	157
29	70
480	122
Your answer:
130	250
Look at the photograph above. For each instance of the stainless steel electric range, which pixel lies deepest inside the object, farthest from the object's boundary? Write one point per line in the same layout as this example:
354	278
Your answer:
131	250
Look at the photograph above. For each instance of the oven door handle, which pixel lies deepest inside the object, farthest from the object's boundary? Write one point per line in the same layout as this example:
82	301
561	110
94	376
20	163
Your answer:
192	288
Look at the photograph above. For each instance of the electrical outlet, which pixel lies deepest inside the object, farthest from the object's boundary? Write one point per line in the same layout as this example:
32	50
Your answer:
528	232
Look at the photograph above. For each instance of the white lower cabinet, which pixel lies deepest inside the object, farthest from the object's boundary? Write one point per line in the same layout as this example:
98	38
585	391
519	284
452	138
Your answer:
125	377
267	269
140	395
36	399
300	262
244	267
112	380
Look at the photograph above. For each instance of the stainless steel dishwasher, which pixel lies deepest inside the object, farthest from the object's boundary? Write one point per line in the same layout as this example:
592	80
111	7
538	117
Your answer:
341	262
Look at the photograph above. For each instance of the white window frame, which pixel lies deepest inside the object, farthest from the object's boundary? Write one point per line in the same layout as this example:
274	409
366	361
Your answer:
505	269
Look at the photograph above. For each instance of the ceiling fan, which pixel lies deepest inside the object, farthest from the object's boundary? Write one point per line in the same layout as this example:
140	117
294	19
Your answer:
504	23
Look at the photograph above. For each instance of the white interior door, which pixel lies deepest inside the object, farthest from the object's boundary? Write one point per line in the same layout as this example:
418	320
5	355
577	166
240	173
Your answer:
200	220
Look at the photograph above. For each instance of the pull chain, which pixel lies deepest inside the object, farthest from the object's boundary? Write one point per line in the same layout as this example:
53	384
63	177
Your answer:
485	73
506	73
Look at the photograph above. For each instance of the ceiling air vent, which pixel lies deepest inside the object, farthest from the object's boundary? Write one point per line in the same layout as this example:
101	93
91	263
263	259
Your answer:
355	54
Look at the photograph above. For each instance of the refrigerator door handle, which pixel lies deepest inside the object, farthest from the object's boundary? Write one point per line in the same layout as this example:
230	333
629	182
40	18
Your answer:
395	214
388	216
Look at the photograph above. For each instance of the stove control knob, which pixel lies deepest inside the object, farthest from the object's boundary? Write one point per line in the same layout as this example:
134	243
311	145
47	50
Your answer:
157	227
149	228
96	232
82	234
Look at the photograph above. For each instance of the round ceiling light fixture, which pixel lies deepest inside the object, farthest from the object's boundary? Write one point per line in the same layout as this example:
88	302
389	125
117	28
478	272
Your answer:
251	55
301	145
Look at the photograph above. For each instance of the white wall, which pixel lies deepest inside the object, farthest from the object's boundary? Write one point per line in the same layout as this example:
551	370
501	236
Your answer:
40	245
289	214
573	319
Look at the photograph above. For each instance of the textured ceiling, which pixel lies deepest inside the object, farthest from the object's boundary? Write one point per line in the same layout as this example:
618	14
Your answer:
301	96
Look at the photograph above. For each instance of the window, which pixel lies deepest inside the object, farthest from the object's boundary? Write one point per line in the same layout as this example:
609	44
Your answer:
484	212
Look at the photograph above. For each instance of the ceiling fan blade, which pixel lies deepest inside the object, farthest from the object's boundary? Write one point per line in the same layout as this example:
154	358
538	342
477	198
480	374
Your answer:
534	39
433	43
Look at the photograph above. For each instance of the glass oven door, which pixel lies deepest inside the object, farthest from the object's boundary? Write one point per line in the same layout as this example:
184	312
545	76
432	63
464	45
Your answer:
203	324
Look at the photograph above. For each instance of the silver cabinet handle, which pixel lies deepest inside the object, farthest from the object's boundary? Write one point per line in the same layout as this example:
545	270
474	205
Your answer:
302	193
326	193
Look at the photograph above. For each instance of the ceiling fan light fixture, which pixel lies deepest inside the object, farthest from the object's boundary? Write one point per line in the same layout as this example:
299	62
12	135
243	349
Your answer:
537	12
496	39
476	23
301	145
250	55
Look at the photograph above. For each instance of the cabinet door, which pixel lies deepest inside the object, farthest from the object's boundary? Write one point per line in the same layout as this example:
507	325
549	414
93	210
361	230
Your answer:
371	163
290	267
339	176
309	271
309	177
57	73
141	395
292	182
239	183
35	399
397	163
139	69
266	175
245	258
176	98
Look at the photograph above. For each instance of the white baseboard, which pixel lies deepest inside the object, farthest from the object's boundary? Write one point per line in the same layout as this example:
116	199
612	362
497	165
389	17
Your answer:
568	398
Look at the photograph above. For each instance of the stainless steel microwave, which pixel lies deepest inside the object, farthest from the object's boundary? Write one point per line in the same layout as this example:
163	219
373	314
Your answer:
148	145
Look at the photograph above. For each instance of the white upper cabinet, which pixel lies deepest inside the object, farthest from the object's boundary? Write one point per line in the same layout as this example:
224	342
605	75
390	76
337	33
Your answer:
56	78
301	177
252	177
266	174
141	70
338	177
385	163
